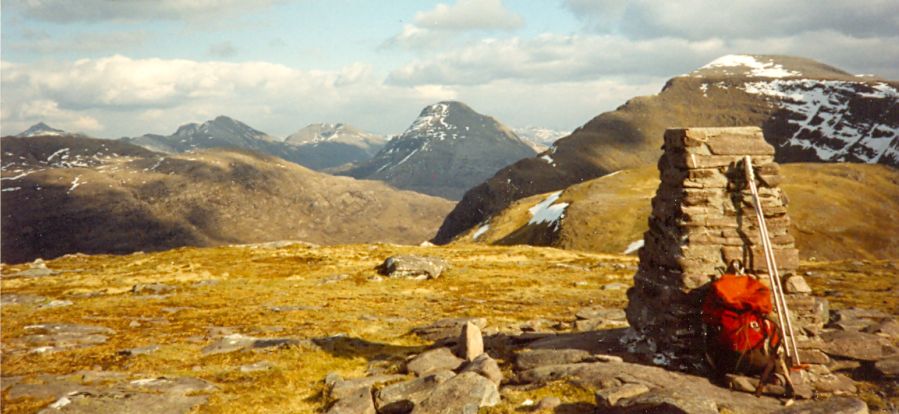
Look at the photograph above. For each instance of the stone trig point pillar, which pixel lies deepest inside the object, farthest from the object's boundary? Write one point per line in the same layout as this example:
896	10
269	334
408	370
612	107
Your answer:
703	218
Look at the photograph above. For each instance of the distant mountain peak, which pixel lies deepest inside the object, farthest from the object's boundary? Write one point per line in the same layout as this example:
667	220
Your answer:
768	66
41	128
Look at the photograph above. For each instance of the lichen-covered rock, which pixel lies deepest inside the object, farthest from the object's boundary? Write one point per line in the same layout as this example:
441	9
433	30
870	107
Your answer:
486	367
433	360
465	393
417	267
402	397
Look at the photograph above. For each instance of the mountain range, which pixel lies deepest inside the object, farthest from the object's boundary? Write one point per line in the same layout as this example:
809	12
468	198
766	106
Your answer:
808	110
448	149
67	194
322	146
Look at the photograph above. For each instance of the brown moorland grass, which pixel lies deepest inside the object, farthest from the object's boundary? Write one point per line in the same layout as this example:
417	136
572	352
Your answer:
363	320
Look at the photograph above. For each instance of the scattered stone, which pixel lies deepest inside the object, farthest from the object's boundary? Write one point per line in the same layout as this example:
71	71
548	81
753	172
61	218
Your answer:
290	308
537	325
471	342
402	397
485	366
843	365
464	393
835	405
151	289
375	279
856	345
888	329
741	383
834	384
56	303
796	284
669	401
608	398
51	337
37	268
143	350
434	360
615	286
447	328
598	312
547	404
343	388
21	299
416	267
333	279
237	342
530	359
206	282
359	401
813	356
257	367
888	367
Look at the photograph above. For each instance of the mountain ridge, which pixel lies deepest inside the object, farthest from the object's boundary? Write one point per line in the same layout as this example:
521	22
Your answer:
447	149
791	110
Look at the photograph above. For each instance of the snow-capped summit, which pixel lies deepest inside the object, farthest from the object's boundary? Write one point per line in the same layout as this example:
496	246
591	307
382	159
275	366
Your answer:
446	150
758	66
221	128
322	145
41	129
539	138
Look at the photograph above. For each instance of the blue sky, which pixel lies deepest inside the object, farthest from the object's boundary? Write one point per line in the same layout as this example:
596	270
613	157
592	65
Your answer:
124	68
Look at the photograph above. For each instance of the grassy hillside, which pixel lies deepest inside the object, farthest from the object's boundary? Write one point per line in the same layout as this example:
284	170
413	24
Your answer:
838	211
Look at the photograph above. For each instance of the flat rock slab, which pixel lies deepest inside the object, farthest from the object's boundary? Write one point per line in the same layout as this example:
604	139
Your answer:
835	405
418	267
438	359
857	345
402	397
237	342
53	337
341	389
151	289
598	312
447	328
533	358
889	368
600	375
21	299
357	401
465	393
152	396
669	401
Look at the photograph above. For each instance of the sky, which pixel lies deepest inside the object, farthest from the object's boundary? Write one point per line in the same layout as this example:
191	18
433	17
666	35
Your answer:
113	68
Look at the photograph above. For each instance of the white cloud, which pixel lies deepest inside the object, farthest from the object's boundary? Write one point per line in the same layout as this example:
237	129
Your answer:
700	19
444	23
568	58
63	11
126	96
42	43
469	15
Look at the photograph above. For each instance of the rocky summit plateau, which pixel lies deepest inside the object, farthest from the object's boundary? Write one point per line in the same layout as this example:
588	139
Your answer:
448	149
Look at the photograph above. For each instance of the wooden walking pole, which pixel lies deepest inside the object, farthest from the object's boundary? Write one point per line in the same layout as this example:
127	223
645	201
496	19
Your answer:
783	312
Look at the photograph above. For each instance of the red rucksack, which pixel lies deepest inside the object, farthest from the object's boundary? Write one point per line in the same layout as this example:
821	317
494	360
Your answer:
739	335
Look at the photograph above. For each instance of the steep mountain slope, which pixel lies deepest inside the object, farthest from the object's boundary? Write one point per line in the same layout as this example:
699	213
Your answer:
149	201
324	146
809	111
447	150
838	211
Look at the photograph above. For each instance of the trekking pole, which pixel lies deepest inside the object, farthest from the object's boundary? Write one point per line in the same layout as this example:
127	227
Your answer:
783	312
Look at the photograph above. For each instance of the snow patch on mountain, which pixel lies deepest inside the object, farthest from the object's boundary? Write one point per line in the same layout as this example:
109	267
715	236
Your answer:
756	68
480	231
432	123
823	109
547	212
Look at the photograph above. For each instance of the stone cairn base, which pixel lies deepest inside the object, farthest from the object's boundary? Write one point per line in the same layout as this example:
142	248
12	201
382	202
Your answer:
702	219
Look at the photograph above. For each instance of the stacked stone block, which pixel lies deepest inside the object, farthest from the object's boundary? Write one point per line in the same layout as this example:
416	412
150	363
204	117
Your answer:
702	219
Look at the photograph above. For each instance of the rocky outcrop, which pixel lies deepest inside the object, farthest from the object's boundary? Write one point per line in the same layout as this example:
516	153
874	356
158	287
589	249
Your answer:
415	267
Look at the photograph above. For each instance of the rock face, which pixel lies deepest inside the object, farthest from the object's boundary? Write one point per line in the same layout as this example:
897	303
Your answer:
464	393
448	149
416	267
702	219
323	146
808	110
